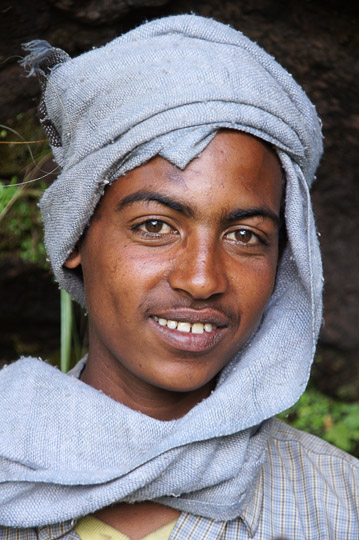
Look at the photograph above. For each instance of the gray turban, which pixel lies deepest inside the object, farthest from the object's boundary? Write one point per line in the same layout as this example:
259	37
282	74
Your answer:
164	89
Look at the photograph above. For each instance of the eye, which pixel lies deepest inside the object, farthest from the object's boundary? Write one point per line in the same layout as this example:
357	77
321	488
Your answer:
155	226
243	236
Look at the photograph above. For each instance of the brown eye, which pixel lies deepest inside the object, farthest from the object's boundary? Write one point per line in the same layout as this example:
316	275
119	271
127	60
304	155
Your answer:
243	236
155	226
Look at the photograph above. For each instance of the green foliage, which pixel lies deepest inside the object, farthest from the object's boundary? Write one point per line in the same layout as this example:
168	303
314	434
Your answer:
21	227
23	152
24	175
71	349
66	330
334	421
8	192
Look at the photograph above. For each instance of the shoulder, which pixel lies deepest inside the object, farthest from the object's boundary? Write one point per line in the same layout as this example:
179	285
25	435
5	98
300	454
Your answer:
320	481
288	440
25	365
308	489
32	365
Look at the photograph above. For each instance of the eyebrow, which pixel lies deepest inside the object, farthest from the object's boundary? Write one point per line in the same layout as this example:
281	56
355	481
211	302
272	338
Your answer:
153	196
236	214
260	211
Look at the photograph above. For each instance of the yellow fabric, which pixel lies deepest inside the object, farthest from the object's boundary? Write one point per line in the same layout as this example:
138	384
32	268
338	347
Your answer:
91	528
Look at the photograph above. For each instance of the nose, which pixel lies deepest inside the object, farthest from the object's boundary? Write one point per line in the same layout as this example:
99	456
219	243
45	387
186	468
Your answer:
198	269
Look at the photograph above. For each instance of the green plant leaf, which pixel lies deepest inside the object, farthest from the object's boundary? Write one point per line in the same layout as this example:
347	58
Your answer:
66	331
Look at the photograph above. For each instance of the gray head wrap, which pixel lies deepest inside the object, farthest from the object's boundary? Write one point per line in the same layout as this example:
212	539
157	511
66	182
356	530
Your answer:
164	88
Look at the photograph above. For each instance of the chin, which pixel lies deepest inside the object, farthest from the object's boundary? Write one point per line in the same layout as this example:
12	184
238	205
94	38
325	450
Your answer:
186	383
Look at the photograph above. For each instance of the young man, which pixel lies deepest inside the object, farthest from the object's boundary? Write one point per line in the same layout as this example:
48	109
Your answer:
181	219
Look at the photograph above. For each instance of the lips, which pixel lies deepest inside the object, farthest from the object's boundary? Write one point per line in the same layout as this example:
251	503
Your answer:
186	326
205	315
190	330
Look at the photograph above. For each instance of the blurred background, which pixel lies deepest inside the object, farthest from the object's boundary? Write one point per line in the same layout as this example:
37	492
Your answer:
317	41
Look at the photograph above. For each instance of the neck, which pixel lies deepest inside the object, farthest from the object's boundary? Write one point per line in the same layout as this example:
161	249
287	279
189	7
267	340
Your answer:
137	520
112	379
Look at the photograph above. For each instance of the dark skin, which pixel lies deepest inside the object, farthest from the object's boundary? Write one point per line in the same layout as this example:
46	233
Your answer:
178	267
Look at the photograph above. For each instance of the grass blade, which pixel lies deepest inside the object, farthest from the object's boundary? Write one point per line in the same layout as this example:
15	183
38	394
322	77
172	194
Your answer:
66	330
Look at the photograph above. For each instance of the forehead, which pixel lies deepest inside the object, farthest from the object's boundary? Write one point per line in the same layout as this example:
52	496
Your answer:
234	168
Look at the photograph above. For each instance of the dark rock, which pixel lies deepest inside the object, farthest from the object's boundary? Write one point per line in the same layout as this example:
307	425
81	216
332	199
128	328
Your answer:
98	12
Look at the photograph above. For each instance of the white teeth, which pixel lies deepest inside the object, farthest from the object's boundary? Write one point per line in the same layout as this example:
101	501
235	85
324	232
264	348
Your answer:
195	328
184	326
172	324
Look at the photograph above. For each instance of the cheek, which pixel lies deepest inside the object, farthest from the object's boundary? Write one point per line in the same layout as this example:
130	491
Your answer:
123	278
255	283
143	267
263	282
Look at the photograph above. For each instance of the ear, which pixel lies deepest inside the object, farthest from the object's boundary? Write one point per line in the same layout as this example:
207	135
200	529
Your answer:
74	259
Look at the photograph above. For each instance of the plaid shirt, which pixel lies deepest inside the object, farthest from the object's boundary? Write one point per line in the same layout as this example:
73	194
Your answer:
307	490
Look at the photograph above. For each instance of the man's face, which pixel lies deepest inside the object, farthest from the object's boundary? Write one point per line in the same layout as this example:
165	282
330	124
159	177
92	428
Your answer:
179	265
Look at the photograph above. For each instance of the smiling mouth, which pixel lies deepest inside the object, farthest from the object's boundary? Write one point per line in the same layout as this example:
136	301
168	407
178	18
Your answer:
186	326
191	331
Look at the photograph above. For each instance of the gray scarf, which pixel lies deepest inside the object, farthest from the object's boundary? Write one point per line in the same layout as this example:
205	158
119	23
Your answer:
164	88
